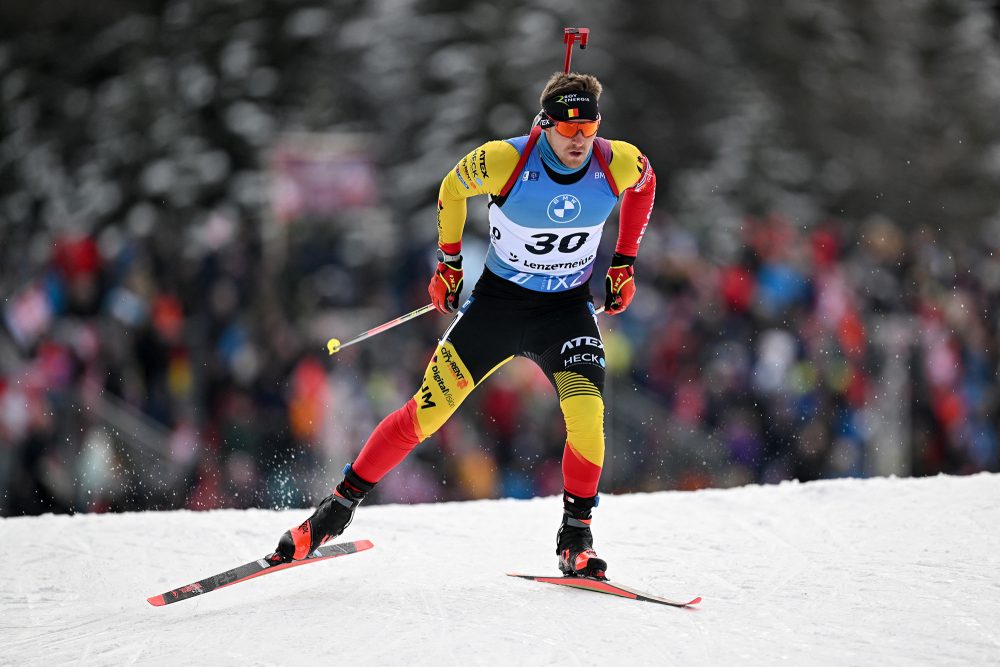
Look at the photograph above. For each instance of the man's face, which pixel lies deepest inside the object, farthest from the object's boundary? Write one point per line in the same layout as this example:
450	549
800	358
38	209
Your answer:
571	151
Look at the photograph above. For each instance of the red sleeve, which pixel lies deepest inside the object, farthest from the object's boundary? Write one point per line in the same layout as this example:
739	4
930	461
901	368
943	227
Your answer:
637	204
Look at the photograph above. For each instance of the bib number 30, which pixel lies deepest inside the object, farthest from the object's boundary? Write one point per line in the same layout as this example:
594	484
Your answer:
547	243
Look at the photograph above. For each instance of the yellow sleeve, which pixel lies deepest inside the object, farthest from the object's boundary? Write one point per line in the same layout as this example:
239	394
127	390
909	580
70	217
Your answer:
483	171
628	164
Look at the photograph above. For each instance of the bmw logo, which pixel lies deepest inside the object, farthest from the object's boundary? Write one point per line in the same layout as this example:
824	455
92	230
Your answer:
564	208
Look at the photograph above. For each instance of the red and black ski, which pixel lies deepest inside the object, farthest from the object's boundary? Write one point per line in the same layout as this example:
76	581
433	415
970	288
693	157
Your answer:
253	569
605	586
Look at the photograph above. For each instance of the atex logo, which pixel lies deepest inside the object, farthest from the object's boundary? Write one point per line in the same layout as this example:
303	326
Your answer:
581	341
564	208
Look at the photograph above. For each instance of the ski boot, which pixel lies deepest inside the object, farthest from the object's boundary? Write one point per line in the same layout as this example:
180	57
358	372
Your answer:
330	519
574	543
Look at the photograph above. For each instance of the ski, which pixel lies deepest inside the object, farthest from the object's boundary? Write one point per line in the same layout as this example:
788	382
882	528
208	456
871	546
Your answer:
254	569
605	586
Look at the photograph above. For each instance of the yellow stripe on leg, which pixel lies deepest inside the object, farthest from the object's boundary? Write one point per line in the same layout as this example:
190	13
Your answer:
569	384
584	415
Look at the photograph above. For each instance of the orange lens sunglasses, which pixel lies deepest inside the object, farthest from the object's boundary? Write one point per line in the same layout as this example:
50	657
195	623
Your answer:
569	128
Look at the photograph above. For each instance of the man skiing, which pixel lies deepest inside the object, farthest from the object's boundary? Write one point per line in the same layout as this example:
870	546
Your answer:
550	194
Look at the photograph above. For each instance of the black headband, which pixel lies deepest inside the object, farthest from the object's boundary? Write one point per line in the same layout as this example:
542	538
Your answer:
570	106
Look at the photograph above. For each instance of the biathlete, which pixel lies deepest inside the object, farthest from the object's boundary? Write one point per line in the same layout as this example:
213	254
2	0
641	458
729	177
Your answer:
550	194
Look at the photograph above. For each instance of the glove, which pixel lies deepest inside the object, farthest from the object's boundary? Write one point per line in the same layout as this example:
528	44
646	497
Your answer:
446	285
619	285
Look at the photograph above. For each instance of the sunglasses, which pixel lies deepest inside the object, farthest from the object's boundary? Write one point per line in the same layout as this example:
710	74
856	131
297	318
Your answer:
569	128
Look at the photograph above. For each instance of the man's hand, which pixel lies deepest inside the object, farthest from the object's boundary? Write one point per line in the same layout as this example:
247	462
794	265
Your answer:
619	285
446	285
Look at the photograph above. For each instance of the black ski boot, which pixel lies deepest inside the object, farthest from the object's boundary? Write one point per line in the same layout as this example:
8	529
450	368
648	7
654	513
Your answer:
574	543
330	519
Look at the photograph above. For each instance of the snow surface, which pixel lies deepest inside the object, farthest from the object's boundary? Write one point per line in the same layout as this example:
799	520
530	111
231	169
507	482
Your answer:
882	571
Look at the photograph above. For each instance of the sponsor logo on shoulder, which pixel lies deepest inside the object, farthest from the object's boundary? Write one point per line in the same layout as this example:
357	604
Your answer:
482	164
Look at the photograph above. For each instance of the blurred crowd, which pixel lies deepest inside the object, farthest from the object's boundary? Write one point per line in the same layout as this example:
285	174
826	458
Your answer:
172	262
148	382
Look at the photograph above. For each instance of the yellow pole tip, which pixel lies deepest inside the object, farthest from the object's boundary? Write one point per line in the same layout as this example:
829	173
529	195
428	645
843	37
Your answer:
333	345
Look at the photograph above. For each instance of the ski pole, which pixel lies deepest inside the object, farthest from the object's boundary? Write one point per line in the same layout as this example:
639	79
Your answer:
570	37
333	346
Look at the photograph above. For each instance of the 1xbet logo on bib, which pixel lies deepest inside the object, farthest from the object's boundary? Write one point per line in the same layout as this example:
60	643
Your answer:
564	208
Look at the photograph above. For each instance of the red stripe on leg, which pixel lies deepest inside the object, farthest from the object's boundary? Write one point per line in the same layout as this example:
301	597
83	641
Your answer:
580	476
389	443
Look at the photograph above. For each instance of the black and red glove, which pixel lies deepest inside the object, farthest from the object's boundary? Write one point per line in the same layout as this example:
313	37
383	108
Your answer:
619	285
446	284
